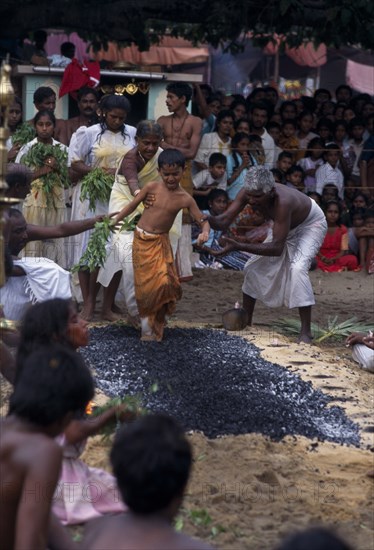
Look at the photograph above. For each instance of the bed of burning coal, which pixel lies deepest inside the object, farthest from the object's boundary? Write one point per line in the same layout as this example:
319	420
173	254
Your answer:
215	383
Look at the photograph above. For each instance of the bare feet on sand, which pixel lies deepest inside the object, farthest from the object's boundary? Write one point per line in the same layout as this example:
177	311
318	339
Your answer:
87	313
109	315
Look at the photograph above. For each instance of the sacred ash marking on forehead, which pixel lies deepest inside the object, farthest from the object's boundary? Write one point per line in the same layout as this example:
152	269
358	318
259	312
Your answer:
259	178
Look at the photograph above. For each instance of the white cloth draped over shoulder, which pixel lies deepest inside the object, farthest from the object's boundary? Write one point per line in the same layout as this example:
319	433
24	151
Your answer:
97	150
44	280
284	280
119	257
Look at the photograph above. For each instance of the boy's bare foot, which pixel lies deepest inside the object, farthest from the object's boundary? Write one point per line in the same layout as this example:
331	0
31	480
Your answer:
149	338
108	315
134	321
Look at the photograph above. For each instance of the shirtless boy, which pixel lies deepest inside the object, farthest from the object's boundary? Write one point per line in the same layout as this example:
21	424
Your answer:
157	287
53	385
151	460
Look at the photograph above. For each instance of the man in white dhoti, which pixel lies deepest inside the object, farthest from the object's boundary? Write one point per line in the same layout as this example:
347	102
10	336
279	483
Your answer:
277	273
362	349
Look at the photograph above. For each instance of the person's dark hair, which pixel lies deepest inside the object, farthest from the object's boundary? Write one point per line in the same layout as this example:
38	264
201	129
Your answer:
149	128
357	121
324	123
171	157
214	97
180	89
309	103
260	105
215	193
40	36
151	460
18	175
108	103
239	101
338	123
18	100
291	121
295	168
47	113
360	194
67	49
237	138
332	146
223	114
343	87
286	104
329	203
313	142
277	174
42	93
217	158
239	121
315	194
356	212
273	124
285	155
82	92
303	114
331	186
53	381
320	91
43	323
317	538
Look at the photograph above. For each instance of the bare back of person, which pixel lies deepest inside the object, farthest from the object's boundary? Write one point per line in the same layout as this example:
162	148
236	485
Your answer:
131	532
167	204
30	462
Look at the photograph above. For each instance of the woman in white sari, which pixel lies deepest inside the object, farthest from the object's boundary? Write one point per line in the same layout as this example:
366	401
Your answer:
99	146
138	167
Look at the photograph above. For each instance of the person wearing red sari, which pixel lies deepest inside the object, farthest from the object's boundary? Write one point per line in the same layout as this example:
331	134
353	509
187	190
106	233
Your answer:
333	255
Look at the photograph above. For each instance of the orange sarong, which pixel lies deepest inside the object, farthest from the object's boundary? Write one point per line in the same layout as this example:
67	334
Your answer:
157	288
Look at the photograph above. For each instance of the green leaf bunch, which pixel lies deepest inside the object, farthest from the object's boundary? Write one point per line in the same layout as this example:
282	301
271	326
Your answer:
333	329
95	253
133	405
96	186
24	133
36	157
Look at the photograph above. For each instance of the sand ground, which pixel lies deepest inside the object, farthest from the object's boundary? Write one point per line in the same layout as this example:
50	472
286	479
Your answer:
247	492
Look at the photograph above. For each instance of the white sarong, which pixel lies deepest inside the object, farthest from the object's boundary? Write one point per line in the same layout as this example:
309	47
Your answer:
364	356
44	280
119	249
284	280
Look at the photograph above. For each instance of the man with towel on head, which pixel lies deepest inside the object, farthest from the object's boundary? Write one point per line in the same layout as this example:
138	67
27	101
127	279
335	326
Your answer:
277	273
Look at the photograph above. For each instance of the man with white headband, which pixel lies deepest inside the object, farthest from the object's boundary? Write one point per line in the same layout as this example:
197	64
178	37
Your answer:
277	273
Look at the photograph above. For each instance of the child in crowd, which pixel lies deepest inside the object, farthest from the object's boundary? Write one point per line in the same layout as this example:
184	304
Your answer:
83	493
151	460
218	201
305	134
214	177
256	148
333	255
315	196
284	163
278	176
356	143
329	193
295	178
365	236
53	386
288	140
274	129
330	172
311	162
157	288
242	125
238	163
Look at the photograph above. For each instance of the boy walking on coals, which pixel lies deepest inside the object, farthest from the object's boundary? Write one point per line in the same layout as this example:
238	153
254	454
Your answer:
157	288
